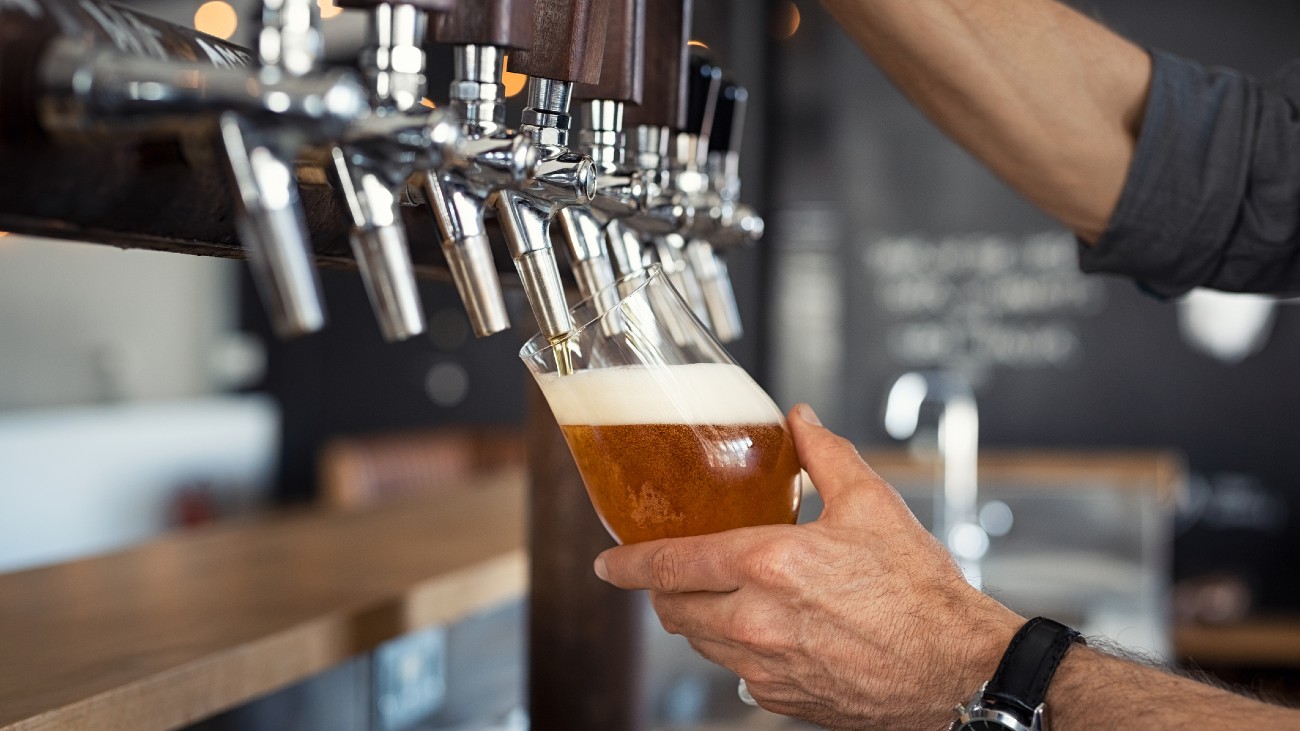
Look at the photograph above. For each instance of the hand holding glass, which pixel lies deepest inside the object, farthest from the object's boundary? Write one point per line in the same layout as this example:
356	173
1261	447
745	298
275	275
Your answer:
671	436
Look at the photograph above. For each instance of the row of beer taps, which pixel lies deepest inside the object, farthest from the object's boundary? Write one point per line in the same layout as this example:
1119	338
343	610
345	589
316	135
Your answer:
643	179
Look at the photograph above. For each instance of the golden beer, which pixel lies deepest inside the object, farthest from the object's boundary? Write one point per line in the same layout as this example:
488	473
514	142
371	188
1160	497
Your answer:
677	450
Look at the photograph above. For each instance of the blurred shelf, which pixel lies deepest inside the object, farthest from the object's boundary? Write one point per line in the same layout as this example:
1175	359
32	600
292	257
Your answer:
1263	642
1162	472
176	630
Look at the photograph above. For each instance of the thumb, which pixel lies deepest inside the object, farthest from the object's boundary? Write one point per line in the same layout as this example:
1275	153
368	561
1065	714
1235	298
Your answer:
831	461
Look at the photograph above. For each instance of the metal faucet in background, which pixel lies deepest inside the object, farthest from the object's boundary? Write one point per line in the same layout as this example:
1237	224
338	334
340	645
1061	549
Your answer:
261	153
688	179
649	126
662	213
491	156
380	153
568	46
735	223
956	518
723	222
619	190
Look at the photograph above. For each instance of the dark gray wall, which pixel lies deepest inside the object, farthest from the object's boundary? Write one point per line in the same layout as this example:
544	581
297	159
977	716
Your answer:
1087	362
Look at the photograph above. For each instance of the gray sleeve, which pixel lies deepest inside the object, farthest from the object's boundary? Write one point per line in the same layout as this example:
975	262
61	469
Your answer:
1213	195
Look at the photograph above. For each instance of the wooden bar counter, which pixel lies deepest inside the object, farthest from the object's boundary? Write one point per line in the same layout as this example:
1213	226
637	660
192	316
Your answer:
184	627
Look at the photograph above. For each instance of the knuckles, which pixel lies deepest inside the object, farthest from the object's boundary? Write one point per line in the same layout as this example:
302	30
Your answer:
775	562
754	629
666	568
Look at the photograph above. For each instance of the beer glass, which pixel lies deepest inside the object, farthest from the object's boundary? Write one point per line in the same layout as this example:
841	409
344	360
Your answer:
671	436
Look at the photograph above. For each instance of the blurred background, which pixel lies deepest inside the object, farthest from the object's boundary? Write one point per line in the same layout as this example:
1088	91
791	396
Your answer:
143	391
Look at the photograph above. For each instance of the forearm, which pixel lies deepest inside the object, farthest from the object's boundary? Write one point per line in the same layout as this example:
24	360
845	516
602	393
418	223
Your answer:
1050	100
1094	690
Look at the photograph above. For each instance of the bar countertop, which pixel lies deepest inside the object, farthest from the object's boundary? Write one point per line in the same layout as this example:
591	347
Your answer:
178	629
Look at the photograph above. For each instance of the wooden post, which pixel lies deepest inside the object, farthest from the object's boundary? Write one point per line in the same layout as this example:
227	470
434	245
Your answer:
585	668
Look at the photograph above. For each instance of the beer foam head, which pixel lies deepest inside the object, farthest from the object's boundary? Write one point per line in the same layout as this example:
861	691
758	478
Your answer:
700	393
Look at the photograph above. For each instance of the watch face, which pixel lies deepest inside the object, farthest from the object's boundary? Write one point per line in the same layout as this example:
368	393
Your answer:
983	725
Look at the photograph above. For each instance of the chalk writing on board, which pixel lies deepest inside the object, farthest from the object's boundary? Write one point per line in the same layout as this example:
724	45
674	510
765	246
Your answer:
977	302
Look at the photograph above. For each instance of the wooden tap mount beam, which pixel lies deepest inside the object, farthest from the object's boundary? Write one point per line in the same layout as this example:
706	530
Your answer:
568	41
622	76
504	23
663	101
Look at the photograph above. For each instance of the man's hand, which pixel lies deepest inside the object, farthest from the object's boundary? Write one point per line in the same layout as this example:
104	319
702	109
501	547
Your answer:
860	619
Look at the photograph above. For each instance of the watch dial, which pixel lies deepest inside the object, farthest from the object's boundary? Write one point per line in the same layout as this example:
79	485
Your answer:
983	725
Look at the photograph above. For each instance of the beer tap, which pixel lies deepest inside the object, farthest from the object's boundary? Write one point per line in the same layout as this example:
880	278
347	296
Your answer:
491	156
569	38
619	190
732	223
266	108
650	125
261	153
688	181
375	159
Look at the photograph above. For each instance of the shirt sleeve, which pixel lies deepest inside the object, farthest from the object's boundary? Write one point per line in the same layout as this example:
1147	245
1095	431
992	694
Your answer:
1213	194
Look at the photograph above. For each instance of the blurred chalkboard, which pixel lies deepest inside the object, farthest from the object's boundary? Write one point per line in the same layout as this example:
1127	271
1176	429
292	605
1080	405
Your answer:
894	250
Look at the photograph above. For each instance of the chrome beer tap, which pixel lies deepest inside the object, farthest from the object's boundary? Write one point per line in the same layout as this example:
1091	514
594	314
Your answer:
688	181
266	108
619	190
568	45
377	156
562	179
650	125
736	223
261	153
491	156
725	222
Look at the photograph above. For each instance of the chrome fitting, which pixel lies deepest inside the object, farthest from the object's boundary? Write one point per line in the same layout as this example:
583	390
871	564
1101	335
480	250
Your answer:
476	89
546	118
394	59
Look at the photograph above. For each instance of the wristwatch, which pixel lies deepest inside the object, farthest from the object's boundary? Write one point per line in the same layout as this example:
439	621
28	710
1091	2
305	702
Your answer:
1012	700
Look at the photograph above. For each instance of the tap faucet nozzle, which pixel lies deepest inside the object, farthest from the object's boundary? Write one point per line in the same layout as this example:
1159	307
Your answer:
956	499
273	227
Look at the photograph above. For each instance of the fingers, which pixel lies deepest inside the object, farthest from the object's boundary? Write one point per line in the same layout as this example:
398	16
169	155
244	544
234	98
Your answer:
831	461
702	563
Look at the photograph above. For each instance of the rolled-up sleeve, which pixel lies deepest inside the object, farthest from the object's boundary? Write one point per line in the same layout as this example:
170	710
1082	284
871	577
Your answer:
1213	194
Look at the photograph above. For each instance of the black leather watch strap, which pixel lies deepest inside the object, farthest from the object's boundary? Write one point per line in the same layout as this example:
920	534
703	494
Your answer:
1027	667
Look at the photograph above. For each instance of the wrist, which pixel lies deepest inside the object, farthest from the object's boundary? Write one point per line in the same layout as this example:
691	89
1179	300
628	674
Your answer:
977	649
1014	698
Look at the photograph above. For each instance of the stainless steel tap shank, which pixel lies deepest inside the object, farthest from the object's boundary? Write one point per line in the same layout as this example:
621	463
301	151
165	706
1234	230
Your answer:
490	157
619	194
561	179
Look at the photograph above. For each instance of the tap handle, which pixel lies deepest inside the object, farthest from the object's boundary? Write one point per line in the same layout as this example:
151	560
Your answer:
663	102
501	23
703	80
729	118
622	72
568	41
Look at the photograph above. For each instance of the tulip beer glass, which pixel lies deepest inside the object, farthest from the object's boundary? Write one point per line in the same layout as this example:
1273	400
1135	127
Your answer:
671	436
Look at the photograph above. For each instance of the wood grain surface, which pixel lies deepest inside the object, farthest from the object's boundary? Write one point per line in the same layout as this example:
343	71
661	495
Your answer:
1261	642
663	98
505	23
1160	472
568	41
178	629
623	68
